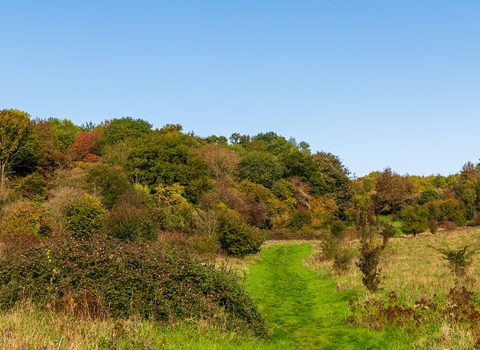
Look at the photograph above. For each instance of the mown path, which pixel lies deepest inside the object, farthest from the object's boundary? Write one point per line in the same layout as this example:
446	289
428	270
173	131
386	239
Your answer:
302	309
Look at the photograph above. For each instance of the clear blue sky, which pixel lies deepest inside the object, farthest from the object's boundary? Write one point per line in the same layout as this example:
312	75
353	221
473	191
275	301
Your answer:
377	83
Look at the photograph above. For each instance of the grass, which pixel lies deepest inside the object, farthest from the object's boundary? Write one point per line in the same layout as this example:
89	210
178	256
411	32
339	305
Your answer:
305	305
412	269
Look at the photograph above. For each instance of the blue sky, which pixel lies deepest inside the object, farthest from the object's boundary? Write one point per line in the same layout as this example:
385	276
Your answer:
377	83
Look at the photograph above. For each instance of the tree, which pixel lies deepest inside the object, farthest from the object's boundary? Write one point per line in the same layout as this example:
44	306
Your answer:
302	165
65	130
393	192
124	130
18	143
168	157
260	167
414	219
335	174
86	147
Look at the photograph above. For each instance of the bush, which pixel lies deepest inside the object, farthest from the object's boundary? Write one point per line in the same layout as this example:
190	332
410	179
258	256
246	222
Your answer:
127	221
86	216
107	277
414	219
108	181
300	218
458	259
342	260
337	229
27	221
236	236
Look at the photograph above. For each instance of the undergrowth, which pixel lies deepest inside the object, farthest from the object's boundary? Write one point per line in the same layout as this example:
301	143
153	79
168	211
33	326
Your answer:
105	277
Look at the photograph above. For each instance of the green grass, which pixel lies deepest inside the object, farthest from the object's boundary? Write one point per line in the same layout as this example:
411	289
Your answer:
302	308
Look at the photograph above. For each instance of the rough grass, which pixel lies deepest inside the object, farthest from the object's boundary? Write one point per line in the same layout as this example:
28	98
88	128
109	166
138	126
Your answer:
413	270
305	307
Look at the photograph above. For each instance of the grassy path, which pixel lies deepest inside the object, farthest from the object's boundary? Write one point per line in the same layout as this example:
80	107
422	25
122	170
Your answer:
301	307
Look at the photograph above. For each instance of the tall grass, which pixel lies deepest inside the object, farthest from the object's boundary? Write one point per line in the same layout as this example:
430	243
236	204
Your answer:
414	270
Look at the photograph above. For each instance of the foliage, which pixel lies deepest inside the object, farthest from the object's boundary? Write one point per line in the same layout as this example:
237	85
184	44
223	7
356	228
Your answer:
166	157
65	132
86	147
173	211
428	196
105	277
300	218
222	161
458	259
342	260
393	192
453	210
27	221
236	236
51	154
414	219
108	182
34	187
336	176
18	144
124	129
283	189
303	166
86	216
129	221
260	167
458	309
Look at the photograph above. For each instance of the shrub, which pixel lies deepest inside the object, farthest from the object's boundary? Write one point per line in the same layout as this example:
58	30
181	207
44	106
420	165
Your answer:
369	266
432	225
458	259
300	218
236	236
86	216
414	219
337	229
26	221
342	260
107	277
127	221
108	181
453	210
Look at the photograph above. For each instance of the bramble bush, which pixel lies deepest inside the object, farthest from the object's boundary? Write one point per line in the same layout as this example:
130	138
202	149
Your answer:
107	277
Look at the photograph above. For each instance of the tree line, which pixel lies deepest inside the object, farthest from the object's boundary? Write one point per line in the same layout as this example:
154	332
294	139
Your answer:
127	179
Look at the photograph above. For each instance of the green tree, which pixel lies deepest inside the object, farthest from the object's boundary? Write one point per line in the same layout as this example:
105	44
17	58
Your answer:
414	219
65	130
108	182
125	129
18	144
260	167
168	157
336	176
303	166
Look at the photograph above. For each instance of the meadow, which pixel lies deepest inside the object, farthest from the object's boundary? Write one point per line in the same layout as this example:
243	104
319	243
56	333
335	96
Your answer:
304	303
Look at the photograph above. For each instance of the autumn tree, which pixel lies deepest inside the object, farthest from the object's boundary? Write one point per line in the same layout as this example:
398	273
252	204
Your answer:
392	192
65	131
86	147
18	144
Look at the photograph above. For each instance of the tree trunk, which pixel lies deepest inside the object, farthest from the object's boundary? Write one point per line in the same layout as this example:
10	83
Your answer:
3	187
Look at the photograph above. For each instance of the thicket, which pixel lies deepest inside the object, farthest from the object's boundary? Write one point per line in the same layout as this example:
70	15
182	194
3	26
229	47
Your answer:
105	276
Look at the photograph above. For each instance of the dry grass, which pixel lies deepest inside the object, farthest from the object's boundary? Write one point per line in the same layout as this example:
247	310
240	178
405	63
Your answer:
413	270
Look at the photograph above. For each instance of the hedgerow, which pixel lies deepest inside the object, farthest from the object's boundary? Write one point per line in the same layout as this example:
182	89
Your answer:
106	277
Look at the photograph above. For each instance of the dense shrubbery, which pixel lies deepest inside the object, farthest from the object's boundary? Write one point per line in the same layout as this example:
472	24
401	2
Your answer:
107	277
